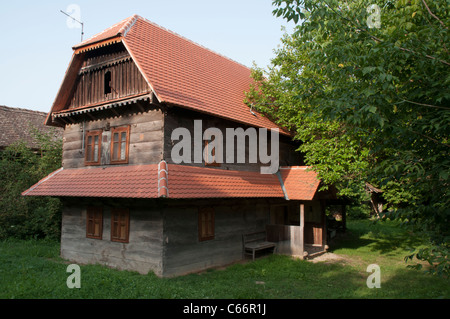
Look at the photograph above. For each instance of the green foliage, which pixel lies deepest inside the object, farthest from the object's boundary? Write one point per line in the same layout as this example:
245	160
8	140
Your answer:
325	144
437	258
369	102
358	211
20	168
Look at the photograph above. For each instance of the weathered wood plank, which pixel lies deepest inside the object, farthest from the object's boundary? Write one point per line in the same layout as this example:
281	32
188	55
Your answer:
143	253
183	252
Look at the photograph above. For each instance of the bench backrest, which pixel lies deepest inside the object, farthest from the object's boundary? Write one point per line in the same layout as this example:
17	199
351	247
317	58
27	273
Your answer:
254	237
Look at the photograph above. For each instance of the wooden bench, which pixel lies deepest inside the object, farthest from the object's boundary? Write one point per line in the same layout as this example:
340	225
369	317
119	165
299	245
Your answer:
253	242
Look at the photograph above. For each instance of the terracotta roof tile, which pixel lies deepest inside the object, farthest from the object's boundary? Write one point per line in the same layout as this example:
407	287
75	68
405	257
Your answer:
299	182
147	181
113	31
175	181
186	74
201	182
112	181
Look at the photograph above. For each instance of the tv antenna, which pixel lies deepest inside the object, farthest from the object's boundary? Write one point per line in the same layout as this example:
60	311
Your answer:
81	23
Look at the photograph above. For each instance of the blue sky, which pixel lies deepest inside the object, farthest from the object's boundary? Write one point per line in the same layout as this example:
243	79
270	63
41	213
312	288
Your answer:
37	41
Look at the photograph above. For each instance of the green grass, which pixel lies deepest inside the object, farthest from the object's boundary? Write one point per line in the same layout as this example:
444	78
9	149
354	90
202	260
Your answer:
33	269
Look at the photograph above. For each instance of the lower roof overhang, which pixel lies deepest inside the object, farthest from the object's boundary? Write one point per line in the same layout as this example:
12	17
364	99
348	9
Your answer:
177	182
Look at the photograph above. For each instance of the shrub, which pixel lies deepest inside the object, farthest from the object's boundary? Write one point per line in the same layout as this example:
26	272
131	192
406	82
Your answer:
29	217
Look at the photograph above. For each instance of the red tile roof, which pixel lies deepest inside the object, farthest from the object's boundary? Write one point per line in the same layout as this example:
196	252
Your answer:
201	182
111	181
108	33
299	182
173	181
183	73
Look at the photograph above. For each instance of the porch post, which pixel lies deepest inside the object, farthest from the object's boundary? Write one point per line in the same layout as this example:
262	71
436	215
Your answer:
302	226
323	211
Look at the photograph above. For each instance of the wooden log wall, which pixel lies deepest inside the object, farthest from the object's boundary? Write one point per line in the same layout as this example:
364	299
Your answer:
177	117
184	253
146	139
143	252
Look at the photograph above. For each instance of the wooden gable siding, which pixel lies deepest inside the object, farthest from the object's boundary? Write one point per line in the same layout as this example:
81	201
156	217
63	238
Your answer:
145	139
124	78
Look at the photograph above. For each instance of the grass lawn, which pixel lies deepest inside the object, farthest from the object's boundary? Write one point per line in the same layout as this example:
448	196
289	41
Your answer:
33	269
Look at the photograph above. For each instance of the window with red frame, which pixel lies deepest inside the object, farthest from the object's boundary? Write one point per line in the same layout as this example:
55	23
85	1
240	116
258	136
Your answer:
93	147
120	139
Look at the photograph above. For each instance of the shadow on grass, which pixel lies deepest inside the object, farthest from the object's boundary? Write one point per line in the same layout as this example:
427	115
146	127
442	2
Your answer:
386	238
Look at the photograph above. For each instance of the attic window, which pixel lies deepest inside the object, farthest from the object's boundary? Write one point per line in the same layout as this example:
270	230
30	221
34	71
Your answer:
107	87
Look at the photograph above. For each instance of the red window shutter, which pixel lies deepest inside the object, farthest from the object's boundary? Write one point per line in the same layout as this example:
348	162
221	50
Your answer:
206	223
120	225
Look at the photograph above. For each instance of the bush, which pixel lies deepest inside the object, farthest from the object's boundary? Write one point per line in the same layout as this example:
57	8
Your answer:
29	217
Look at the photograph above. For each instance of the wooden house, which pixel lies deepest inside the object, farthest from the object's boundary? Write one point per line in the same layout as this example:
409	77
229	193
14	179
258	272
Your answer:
127	203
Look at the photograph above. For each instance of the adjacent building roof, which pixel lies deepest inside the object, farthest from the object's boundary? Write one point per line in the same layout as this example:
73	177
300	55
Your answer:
179	71
17	124
174	181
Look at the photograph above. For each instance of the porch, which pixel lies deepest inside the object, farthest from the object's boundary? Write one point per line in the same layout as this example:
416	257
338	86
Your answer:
290	241
300	228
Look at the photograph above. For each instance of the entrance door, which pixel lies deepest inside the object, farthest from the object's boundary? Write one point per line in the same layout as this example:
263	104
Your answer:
313	224
313	234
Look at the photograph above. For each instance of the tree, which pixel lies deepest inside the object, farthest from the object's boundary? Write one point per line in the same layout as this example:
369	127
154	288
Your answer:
375	75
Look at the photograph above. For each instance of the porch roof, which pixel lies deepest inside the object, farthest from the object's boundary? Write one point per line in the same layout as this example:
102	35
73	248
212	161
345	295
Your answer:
300	183
174	181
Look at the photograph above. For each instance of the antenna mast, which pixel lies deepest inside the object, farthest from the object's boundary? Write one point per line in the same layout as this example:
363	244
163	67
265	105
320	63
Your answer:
82	24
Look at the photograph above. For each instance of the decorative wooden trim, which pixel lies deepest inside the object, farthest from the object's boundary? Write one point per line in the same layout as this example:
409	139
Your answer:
92	134
120	217
118	144
94	215
83	48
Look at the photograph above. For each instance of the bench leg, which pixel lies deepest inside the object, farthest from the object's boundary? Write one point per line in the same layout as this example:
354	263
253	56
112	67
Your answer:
253	254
